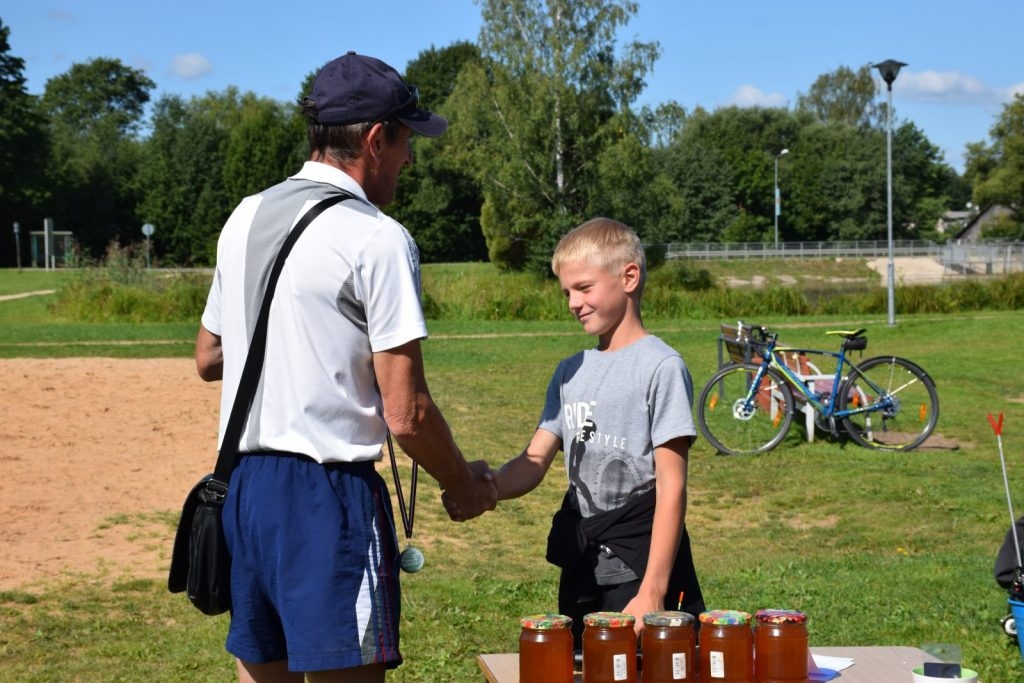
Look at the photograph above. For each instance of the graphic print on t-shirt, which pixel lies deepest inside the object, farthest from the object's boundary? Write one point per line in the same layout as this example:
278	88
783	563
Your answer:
600	467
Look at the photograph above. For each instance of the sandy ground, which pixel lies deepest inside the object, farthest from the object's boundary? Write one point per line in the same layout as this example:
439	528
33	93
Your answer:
918	270
910	271
93	450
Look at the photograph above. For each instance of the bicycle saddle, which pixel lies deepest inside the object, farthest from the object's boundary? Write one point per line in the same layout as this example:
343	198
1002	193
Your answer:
848	334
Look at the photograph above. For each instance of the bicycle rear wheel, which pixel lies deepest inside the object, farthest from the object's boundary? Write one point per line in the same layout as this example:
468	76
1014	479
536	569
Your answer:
735	426
902	405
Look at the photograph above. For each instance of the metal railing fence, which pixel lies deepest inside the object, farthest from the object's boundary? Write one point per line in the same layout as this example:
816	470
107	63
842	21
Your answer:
976	258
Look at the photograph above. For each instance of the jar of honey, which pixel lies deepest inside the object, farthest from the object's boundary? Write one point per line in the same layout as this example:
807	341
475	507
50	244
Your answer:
545	649
609	648
669	645
726	647
780	646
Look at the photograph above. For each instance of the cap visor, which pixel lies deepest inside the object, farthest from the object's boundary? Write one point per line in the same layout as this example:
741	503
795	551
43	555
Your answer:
425	123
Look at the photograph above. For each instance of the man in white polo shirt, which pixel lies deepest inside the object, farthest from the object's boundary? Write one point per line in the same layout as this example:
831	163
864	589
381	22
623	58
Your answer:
308	520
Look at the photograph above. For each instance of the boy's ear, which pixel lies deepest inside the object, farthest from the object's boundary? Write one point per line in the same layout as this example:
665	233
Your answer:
631	277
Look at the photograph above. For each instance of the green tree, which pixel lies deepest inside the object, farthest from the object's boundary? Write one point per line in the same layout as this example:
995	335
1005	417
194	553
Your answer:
664	123
922	188
723	164
94	111
529	119
24	143
202	157
438	202
844	96
182	177
259	147
836	184
627	183
998	168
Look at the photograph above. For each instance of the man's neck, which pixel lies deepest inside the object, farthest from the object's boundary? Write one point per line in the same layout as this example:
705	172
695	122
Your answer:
355	169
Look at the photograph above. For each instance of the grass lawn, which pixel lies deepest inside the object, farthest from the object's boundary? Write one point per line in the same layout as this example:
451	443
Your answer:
878	549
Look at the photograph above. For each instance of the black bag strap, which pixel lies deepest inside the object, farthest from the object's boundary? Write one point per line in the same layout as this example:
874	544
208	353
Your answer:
253	368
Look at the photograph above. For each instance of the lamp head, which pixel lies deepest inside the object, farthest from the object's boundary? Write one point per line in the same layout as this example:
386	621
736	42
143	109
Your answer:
784	151
889	69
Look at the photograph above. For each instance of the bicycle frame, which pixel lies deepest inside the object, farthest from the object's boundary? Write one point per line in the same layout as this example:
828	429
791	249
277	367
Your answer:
884	403
770	354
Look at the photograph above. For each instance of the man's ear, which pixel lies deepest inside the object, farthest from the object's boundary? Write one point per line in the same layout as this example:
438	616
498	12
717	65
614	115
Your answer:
375	139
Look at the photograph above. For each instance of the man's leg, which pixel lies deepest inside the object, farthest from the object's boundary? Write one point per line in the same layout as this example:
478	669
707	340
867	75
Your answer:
277	672
372	673
272	672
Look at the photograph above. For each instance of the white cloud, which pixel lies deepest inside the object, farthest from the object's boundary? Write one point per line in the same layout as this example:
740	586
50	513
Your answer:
190	66
951	87
1013	91
749	96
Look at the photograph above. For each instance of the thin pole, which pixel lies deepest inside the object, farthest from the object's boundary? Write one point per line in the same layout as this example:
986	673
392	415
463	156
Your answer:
776	202
892	267
17	243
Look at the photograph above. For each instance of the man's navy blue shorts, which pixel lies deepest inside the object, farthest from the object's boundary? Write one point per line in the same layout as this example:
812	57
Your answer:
314	564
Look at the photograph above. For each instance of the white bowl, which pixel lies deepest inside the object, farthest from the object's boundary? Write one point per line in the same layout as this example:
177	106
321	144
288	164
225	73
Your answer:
966	676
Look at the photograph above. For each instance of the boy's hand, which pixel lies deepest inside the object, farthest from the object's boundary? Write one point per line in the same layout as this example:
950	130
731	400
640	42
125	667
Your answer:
641	605
478	496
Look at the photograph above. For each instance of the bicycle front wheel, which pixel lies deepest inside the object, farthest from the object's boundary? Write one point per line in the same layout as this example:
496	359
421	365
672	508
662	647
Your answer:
738	419
896	402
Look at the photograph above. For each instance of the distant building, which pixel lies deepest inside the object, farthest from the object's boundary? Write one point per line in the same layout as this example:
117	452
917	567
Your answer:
953	221
973	229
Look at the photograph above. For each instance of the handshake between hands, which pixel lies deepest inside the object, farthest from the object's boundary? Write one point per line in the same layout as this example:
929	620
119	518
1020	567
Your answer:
475	496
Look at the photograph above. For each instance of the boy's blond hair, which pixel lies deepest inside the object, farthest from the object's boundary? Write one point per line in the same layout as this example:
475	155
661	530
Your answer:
603	242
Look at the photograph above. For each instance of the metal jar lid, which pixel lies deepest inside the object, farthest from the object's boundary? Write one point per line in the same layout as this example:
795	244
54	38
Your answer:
670	618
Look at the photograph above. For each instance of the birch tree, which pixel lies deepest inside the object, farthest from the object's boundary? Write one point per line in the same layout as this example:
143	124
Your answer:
534	117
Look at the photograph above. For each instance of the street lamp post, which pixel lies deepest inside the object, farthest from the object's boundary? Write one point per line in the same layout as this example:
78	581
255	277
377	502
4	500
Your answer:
889	69
17	243
148	229
778	197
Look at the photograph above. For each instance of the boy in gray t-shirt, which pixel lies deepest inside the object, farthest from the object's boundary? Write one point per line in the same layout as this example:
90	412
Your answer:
622	415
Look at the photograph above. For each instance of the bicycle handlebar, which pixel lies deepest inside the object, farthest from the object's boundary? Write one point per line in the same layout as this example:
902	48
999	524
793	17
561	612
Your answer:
758	335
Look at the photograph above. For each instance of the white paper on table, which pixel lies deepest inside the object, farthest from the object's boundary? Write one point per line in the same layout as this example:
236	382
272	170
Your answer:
825	668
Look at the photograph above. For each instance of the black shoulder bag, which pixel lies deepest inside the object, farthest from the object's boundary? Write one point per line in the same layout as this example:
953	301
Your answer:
200	564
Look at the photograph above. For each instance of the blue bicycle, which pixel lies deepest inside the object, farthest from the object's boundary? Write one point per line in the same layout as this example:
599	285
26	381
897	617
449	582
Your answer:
884	403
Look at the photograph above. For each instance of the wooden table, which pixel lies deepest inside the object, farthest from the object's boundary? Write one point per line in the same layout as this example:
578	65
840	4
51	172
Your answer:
887	664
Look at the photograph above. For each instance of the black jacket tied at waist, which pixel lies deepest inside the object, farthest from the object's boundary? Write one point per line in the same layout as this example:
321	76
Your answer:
625	531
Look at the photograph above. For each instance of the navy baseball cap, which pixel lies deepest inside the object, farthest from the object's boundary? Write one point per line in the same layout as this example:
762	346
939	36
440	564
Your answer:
356	89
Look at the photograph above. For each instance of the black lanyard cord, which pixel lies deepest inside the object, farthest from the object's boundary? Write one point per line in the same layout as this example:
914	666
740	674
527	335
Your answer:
407	514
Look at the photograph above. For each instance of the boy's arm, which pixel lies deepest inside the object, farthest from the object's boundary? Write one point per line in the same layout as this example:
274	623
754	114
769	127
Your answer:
670	461
523	473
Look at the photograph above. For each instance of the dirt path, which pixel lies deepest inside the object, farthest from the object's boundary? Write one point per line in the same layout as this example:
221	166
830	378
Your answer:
93	450
24	295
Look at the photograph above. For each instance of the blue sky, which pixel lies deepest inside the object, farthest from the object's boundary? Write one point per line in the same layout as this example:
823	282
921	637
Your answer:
964	60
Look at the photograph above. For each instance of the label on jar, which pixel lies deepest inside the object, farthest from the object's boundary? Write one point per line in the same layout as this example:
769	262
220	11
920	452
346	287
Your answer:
717	664
678	666
619	670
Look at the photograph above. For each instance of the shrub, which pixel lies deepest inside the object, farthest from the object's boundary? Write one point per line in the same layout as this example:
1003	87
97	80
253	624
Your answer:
122	289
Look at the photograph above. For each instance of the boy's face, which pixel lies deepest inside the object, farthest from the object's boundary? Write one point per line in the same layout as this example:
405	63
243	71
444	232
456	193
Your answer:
598	297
